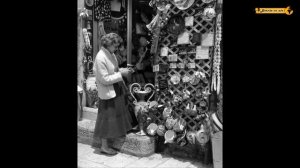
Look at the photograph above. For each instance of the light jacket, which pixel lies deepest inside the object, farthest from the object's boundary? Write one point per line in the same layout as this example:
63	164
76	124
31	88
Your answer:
104	68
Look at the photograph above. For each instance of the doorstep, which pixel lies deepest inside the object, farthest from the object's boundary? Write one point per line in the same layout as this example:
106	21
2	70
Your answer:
89	113
132	144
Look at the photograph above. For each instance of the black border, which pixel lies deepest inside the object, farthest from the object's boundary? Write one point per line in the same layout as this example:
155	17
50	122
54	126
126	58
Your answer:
259	80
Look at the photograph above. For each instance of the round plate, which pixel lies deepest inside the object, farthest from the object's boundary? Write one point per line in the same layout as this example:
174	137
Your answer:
89	3
209	13
170	135
151	129
175	79
207	1
202	103
185	5
185	79
194	80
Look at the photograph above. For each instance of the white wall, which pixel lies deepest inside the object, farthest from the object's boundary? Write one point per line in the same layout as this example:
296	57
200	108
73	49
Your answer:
80	4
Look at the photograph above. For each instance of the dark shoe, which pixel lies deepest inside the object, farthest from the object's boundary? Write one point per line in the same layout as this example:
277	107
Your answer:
108	151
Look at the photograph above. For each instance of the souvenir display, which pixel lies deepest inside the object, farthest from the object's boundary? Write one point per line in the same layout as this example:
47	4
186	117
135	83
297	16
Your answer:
186	45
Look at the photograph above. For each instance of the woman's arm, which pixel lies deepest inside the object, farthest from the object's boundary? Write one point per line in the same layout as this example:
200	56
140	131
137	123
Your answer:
103	75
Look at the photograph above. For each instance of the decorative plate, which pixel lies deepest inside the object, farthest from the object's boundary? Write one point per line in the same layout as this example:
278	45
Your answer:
175	79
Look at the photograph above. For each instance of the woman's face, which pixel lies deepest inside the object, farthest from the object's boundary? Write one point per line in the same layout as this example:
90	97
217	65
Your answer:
113	48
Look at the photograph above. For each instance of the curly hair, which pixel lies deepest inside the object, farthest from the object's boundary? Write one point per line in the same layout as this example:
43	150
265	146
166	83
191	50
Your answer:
110	39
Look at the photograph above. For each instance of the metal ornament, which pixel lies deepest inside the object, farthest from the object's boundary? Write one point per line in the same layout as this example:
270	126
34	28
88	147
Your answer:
141	106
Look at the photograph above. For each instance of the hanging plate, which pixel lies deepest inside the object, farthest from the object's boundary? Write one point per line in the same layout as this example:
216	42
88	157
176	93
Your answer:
89	3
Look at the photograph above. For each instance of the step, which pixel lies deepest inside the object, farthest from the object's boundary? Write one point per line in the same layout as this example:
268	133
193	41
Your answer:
132	144
89	113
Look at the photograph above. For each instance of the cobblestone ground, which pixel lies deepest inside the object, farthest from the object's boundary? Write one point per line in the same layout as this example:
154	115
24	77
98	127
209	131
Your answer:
89	157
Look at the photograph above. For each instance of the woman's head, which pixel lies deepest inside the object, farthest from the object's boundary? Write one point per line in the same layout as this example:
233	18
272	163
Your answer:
111	41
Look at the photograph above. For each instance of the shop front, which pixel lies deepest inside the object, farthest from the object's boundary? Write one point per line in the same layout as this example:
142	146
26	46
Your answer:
175	47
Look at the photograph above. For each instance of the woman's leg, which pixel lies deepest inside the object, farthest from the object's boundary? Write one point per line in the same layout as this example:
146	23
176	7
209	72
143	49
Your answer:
106	149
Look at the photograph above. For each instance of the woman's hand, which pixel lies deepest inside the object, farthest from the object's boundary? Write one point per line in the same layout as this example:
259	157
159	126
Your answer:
124	71
139	66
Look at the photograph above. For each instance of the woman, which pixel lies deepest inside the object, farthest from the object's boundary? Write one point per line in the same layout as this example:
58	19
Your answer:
113	119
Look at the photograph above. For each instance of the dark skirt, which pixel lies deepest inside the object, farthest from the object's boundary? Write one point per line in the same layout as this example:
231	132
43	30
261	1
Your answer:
113	119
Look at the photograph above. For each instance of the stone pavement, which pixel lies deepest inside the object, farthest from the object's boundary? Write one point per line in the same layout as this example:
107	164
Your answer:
89	157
